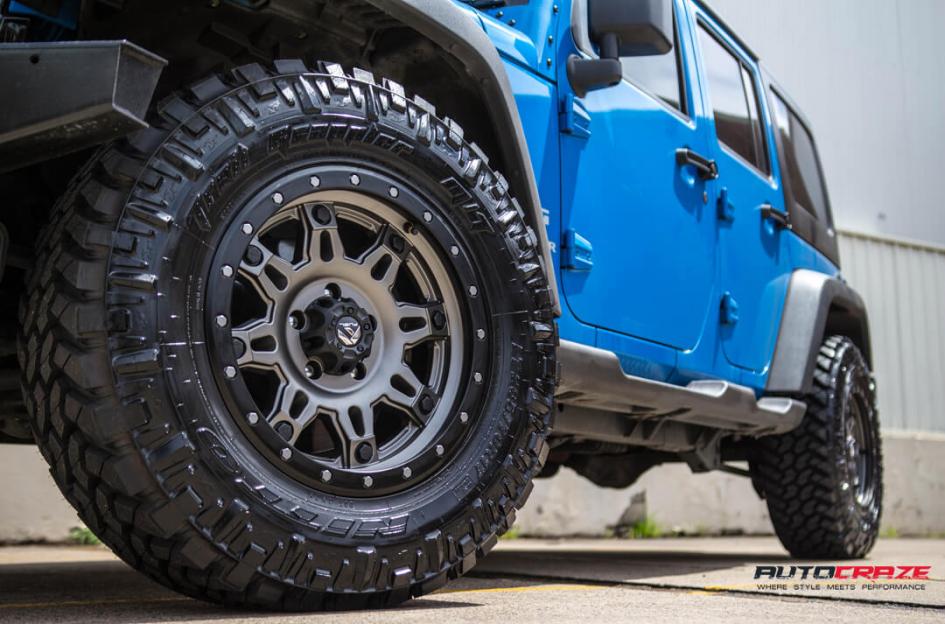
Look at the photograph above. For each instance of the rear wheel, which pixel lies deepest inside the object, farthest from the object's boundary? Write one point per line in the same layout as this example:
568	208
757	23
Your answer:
292	347
823	481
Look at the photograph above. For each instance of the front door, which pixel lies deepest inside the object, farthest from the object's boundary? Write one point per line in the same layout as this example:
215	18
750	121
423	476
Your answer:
639	233
753	253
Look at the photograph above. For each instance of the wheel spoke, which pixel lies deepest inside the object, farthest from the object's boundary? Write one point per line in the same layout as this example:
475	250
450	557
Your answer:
322	241
382	260
292	402
261	345
351	441
416	323
271	277
407	392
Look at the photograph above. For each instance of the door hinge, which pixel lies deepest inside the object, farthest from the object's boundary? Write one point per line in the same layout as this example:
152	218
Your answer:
576	252
728	312
726	209
574	118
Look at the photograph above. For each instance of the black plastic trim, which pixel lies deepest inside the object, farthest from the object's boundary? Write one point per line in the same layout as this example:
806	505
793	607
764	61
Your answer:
816	303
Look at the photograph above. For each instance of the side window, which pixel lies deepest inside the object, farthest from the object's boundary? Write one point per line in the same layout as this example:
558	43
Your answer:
800	161
734	102
660	75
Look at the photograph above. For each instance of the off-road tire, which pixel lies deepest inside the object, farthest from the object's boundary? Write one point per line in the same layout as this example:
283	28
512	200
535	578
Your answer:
804	474
116	394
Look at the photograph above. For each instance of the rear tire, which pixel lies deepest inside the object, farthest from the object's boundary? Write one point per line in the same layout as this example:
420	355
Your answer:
823	481
135	384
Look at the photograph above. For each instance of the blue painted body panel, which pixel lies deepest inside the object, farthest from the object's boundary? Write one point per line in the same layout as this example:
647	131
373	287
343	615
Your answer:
653	261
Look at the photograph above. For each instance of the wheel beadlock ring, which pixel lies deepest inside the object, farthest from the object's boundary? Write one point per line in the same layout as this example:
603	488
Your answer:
416	210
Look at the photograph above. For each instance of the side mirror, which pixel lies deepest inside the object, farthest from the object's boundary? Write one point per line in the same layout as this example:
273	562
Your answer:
621	28
631	27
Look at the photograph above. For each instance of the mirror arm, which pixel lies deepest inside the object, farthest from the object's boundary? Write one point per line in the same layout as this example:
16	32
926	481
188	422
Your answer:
609	46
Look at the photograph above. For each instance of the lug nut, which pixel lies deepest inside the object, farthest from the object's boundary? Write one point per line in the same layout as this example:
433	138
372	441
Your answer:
253	256
239	348
296	320
313	370
439	320
284	429
364	452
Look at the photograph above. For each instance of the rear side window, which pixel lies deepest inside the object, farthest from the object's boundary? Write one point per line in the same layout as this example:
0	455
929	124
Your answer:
660	75
800	161
734	102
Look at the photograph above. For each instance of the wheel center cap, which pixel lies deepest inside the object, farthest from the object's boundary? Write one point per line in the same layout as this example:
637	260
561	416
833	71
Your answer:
349	331
338	334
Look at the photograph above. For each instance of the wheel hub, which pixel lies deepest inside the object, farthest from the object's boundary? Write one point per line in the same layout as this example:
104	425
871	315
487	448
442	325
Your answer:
337	335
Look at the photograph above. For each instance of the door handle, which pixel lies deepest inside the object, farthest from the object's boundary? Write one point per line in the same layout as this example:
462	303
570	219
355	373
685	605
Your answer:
778	217
706	167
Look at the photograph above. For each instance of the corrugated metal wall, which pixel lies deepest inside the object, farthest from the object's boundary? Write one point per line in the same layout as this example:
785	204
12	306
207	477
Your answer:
903	284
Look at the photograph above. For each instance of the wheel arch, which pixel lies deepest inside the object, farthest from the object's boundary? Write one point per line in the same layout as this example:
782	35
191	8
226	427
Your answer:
817	305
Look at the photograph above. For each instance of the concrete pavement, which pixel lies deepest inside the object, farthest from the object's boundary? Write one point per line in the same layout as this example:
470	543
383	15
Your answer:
696	580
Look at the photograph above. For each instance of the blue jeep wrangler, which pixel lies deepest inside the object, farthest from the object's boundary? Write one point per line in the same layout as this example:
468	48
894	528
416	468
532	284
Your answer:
310	291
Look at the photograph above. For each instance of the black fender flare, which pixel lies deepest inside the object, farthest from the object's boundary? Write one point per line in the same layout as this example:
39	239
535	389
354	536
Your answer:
816	304
450	27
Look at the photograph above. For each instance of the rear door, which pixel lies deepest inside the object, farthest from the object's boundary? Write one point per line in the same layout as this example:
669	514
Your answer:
754	260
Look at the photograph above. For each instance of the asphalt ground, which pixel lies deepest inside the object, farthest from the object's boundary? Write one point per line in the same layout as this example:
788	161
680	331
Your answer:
677	580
